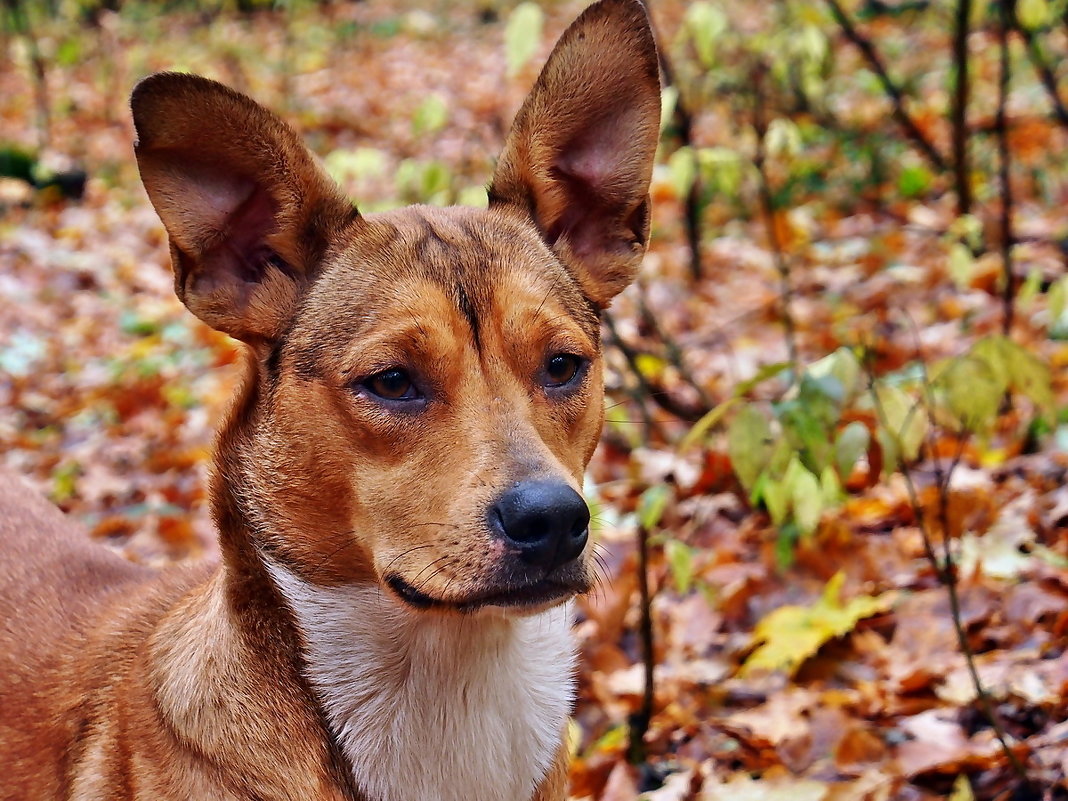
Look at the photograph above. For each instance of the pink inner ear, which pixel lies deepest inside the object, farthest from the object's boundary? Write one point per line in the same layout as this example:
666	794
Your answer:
593	171
227	219
597	156
210	195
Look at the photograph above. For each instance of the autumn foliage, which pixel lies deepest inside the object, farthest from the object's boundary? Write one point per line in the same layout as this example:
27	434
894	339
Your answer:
837	427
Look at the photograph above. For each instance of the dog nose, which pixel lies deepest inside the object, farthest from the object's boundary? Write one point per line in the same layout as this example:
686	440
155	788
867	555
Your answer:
546	520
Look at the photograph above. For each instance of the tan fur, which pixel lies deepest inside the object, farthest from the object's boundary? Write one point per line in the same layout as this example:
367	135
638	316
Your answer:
234	681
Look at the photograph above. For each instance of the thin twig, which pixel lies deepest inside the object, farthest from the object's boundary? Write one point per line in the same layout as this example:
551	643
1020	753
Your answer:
897	97
691	204
961	169
945	569
767	208
1004	168
1039	62
662	399
674	353
20	24
639	721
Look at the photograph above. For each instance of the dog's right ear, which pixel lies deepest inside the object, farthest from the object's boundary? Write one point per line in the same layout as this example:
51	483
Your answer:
247	209
580	153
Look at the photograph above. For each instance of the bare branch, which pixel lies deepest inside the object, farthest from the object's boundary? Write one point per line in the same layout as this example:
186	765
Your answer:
961	169
867	49
639	721
1039	62
767	208
1004	169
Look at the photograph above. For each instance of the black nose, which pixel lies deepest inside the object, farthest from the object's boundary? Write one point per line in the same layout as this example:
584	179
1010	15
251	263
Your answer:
546	521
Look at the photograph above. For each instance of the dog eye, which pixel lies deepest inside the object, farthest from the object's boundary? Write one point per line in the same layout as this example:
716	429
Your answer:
392	384
561	369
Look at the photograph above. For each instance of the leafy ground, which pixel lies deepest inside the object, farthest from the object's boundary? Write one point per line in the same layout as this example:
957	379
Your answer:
804	641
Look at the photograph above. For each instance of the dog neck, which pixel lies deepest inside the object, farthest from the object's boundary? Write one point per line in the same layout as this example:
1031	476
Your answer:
427	706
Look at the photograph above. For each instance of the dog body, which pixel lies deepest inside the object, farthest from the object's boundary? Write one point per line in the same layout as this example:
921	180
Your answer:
396	486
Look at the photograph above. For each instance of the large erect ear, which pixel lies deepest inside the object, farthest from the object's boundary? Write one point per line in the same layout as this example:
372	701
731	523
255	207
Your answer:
580	153
248	211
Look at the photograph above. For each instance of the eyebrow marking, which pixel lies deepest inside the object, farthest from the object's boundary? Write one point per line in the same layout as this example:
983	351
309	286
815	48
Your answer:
468	310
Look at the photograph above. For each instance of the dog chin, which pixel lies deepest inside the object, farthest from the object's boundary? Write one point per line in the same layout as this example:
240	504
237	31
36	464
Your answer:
518	601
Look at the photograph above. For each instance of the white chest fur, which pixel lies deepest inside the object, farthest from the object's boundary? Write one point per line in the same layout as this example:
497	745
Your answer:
432	707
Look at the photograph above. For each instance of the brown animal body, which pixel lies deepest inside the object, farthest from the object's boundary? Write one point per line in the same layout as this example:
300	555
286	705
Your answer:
396	485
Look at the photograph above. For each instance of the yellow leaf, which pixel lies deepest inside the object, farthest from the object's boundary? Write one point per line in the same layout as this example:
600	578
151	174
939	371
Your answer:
791	634
962	789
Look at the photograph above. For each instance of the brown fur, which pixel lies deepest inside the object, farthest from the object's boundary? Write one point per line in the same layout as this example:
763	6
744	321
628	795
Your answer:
121	682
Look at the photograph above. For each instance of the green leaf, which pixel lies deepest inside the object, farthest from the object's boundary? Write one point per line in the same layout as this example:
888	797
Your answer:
1030	288
902	423
842	365
972	391
961	265
669	98
776	495
1019	368
806	499
1032	14
914	180
707	422
1058	308
704	23
522	35
783	138
851	442
472	196
762	375
617	417
65	481
721	169
682	167
785	545
651	505
749	444
680	560
1057	297
962	789
68	53
790	635
830	488
432	115
809	419
349	165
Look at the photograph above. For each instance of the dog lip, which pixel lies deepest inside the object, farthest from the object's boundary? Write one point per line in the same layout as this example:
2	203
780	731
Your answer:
529	595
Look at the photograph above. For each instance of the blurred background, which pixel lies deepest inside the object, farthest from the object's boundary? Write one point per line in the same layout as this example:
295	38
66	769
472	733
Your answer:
830	504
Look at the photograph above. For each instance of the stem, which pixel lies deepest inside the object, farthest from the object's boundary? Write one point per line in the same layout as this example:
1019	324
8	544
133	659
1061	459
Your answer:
1004	167
945	570
691	205
960	108
662	399
639	721
767	209
1038	61
897	98
20	24
674	353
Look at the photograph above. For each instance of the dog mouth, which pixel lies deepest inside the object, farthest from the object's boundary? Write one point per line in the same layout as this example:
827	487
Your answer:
544	593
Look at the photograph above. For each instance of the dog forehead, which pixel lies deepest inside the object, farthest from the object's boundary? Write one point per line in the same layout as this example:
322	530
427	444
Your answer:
428	261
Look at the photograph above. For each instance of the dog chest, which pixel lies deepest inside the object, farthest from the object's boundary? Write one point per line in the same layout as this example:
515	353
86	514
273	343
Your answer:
442	708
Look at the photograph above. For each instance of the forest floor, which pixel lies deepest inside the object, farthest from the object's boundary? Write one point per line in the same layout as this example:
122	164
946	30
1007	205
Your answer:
824	666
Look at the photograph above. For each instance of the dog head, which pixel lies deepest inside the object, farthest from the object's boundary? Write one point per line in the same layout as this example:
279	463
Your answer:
426	384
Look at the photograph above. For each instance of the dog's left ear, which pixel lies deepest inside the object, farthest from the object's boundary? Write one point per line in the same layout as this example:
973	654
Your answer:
580	153
247	209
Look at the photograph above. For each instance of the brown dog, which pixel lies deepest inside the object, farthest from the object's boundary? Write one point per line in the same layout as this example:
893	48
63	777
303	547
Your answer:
396	487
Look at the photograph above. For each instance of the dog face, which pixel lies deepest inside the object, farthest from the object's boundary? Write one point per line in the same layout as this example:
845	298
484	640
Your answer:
426	384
